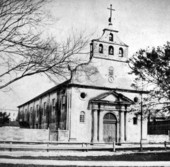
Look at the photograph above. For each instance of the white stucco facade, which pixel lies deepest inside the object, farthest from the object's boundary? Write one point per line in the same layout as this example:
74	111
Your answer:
95	104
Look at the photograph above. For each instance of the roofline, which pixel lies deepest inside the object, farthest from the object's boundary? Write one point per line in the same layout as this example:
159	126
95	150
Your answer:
107	29
68	84
107	88
46	92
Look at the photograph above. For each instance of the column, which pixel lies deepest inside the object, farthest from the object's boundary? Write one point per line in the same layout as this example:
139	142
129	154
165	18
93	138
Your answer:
121	126
125	125
101	127
95	125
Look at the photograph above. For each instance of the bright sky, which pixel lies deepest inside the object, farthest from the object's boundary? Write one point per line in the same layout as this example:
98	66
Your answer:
140	23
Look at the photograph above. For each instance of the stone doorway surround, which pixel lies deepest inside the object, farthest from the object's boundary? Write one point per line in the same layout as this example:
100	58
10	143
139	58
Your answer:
109	102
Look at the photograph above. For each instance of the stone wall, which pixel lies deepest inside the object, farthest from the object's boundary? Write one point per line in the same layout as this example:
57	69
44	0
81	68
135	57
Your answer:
18	134
158	138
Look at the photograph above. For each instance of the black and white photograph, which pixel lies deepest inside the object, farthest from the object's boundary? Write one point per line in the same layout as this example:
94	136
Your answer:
84	83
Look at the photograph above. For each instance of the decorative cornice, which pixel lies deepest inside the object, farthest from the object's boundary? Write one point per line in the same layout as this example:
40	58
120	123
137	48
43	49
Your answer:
125	61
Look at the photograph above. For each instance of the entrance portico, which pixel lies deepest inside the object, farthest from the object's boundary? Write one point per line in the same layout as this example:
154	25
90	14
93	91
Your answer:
109	117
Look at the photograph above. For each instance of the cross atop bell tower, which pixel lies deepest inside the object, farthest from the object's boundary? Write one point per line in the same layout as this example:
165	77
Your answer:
110	18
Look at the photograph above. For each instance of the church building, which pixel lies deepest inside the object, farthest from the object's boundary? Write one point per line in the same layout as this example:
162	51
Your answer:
95	105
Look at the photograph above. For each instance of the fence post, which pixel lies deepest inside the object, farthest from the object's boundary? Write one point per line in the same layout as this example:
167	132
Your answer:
141	146
114	149
165	145
48	134
47	145
10	146
86	147
48	138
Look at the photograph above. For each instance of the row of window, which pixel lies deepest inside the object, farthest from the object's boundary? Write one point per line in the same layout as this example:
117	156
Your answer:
82	118
110	50
28	115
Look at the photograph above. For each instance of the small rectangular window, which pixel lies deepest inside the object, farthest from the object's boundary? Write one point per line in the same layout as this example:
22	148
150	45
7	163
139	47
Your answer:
135	120
82	117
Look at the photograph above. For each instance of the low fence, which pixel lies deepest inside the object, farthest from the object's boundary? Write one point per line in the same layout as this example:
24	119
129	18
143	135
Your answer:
79	146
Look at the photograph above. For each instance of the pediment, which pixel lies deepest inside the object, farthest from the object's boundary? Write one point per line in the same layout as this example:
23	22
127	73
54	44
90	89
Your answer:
112	97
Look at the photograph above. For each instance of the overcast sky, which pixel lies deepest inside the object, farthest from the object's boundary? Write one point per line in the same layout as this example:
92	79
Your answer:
140	23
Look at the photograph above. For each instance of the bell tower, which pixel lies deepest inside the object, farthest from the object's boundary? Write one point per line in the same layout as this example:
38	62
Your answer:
110	56
109	46
109	61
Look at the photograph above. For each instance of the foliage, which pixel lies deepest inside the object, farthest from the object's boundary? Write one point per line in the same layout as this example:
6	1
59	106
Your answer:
4	118
25	51
152	70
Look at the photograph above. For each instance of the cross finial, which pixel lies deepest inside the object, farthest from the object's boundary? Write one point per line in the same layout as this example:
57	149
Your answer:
110	18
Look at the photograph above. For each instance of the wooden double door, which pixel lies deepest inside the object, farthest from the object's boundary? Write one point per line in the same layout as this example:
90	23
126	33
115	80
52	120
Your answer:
109	127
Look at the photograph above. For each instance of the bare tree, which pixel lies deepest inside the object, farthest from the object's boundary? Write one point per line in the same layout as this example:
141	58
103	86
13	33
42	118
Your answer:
23	51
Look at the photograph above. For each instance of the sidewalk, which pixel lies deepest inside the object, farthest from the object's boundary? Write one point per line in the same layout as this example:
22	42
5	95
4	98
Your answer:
85	163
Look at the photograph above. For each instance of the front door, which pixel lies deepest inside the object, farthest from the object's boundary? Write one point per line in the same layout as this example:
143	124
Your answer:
109	127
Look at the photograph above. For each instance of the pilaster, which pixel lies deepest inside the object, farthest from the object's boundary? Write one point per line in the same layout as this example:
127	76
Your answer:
95	126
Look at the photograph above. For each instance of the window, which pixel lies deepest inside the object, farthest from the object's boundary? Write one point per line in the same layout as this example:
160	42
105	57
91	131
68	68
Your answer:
28	117
82	95
44	108
25	115
53	105
31	112
111	50
135	120
110	37
100	48
120	52
37	108
82	117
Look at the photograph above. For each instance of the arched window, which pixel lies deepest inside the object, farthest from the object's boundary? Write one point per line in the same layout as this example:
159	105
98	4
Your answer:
110	37
111	50
120	52
100	48
82	116
109	117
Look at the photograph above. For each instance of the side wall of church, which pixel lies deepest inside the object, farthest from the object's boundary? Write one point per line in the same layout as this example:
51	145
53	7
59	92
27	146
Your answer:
47	111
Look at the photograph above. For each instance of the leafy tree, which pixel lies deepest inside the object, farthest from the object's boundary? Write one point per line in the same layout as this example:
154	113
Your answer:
4	118
152	71
25	51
